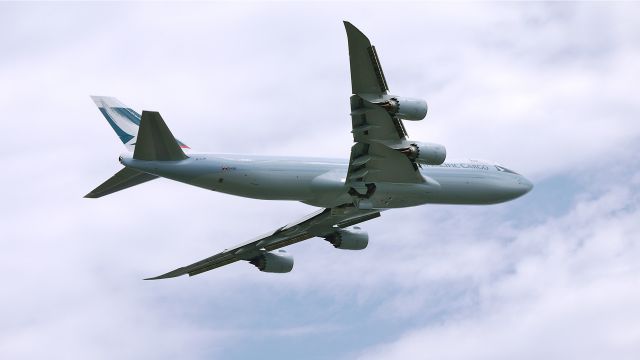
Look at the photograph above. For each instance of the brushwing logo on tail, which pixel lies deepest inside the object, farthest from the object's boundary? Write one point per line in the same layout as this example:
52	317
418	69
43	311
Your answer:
124	120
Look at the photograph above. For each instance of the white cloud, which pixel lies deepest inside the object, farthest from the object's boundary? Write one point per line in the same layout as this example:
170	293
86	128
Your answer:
537	87
569	288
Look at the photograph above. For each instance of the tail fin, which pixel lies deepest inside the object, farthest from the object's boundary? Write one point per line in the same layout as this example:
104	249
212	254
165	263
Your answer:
124	120
154	143
123	179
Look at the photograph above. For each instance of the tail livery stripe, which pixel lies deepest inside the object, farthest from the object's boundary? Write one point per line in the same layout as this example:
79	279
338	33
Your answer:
131	115
124	120
125	136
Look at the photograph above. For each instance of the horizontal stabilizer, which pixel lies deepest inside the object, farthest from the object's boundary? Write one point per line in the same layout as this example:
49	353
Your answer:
155	141
123	179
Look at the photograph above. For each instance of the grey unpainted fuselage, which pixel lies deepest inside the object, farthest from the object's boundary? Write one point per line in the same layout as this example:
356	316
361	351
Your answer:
321	182
384	170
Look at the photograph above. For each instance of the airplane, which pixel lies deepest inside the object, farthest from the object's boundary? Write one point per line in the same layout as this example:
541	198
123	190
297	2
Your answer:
385	170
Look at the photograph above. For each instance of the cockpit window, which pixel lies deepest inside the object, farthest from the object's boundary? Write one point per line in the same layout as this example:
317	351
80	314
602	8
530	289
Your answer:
504	169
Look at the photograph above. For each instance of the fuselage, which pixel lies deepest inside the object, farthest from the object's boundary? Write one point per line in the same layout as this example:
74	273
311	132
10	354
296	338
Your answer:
321	182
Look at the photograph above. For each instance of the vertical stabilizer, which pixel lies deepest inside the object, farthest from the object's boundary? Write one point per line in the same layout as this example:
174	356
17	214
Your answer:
123	120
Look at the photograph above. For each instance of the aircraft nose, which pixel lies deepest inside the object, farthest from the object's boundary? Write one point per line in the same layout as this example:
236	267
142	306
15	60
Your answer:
513	187
525	185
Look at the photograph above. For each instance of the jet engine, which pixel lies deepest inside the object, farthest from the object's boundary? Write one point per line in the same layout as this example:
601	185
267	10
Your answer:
349	239
274	262
405	108
425	153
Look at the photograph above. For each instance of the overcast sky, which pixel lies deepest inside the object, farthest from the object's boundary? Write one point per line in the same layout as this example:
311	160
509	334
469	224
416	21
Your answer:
550	90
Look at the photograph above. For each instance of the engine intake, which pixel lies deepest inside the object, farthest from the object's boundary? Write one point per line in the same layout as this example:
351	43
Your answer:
405	108
349	239
274	262
425	153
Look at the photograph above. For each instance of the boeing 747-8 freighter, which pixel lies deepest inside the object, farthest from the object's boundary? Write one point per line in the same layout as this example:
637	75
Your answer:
385	170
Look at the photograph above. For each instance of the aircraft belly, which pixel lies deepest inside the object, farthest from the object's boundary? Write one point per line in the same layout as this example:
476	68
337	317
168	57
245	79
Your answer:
268	185
453	189
330	191
469	190
393	195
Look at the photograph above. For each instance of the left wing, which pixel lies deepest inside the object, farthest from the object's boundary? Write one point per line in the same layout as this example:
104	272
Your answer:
323	223
380	137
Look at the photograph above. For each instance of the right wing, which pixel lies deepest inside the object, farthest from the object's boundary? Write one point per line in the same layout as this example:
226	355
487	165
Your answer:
379	137
323	223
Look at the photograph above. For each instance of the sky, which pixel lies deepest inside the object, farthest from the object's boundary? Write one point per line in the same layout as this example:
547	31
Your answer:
547	89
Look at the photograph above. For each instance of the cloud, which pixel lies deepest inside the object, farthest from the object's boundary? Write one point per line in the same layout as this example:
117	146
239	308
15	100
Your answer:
564	288
545	89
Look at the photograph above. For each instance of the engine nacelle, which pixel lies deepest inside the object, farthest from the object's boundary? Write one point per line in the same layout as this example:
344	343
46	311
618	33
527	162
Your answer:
426	153
274	262
349	239
406	108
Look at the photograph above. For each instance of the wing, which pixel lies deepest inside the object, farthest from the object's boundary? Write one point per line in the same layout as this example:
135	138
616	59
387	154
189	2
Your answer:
319	224
379	137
